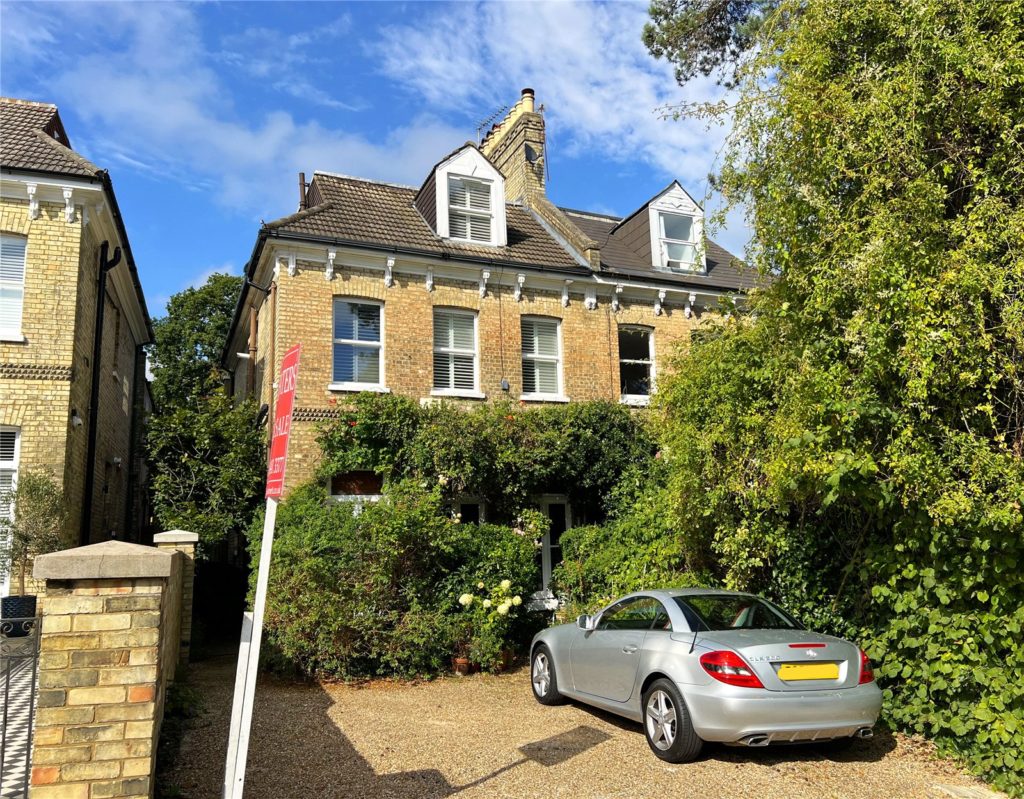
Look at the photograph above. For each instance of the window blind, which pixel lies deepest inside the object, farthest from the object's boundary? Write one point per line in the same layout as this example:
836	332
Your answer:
454	350
357	342
540	356
469	212
12	282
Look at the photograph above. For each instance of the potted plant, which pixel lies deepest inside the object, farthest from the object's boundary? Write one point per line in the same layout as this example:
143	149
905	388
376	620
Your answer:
33	525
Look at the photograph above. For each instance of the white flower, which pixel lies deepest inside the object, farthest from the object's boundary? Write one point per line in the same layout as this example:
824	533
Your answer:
487	603
503	608
506	584
443	480
480	584
466	600
517	600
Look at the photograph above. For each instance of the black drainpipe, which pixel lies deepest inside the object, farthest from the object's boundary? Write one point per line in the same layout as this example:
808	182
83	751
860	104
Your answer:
94	390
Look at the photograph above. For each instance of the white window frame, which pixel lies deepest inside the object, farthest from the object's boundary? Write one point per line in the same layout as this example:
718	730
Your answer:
470	212
664	240
12	467
17	334
639	400
537	396
380	387
547	566
475	392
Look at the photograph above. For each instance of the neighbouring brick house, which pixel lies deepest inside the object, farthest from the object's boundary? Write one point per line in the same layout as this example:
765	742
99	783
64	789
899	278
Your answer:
473	287
71	402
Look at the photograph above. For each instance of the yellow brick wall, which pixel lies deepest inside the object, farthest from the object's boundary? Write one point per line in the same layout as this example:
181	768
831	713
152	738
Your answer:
304	314
43	379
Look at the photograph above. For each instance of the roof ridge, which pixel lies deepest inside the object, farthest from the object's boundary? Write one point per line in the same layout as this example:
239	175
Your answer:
19	101
305	213
341	176
593	214
83	162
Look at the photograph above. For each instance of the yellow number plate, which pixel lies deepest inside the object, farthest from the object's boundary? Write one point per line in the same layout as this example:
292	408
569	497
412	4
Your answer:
809	671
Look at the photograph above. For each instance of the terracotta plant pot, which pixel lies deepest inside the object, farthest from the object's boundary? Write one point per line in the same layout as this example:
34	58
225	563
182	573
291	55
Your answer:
460	665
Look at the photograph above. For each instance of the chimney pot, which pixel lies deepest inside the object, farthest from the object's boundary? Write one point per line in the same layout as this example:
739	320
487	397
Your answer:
302	191
527	101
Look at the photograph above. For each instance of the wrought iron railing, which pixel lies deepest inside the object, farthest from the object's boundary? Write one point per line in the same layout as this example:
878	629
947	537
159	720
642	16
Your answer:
19	665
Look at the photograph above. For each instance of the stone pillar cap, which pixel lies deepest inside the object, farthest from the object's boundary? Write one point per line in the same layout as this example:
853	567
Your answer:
108	560
176	537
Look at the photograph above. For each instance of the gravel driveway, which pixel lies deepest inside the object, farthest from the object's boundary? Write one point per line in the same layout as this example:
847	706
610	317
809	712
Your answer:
482	736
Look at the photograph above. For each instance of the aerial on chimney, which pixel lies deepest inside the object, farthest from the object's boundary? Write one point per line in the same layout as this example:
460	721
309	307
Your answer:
302	191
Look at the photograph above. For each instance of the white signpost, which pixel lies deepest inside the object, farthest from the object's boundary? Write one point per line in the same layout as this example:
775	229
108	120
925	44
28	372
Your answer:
252	623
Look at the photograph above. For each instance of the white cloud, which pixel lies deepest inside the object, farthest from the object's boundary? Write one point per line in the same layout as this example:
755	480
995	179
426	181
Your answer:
153	100
601	89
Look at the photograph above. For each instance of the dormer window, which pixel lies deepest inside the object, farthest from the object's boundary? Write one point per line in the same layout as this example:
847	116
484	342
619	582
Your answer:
469	209
678	245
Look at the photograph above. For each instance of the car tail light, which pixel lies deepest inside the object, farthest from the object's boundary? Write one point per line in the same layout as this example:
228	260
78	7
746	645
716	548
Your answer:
867	674
730	668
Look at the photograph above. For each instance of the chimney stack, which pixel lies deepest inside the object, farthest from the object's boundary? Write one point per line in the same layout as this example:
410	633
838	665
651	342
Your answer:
515	145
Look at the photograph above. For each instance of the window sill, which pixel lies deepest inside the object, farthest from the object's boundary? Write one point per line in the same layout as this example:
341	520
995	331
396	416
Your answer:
635	400
457	393
543	398
357	387
11	337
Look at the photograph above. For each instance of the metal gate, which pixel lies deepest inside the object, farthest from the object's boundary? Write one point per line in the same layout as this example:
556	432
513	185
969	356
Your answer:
19	665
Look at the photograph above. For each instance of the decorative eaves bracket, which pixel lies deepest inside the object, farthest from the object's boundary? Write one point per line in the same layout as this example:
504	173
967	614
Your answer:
517	289
690	302
590	299
659	302
69	205
33	203
389	272
615	297
430	279
484	277
565	293
292	265
329	272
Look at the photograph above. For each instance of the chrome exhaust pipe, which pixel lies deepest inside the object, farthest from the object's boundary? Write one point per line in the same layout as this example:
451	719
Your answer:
865	732
756	740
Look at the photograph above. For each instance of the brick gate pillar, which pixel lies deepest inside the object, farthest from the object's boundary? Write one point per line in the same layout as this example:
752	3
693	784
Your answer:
109	641
185	543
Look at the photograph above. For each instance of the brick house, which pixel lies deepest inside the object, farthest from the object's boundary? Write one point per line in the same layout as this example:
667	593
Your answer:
73	322
472	287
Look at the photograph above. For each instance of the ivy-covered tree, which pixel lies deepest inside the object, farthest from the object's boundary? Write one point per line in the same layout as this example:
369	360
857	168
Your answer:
855	444
207	452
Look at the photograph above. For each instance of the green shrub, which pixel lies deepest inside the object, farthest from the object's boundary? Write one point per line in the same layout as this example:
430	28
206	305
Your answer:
376	593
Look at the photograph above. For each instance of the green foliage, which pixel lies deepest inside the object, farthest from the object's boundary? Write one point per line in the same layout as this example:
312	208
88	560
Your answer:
207	454
209	464
185	355
37	526
498	452
488	617
638	548
856	451
376	593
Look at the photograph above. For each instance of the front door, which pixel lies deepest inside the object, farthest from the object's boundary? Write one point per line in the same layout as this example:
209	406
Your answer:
605	660
556	508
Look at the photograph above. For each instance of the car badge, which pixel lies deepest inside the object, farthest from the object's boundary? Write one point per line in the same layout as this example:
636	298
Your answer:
811	653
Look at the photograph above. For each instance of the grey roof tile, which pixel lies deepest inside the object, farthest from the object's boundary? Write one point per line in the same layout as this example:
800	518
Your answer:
32	138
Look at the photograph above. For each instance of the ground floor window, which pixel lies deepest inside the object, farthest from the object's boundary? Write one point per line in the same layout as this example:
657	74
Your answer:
10	446
357	487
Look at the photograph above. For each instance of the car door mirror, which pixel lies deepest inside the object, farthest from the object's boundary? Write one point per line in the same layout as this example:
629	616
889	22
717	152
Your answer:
586	622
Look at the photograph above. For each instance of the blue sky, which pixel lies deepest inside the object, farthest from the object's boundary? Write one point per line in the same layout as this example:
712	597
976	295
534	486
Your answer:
205	113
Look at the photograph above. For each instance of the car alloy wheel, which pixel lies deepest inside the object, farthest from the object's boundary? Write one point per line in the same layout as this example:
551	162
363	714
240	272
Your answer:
661	720
541	674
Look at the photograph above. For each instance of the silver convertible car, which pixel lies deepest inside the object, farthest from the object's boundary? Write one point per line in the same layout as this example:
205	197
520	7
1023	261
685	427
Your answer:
696	665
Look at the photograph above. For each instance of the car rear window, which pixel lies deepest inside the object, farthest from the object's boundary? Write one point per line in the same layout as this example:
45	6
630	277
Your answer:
708	612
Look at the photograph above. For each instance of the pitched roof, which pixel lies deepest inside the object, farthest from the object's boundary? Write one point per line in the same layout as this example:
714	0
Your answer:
363	211
724	270
32	138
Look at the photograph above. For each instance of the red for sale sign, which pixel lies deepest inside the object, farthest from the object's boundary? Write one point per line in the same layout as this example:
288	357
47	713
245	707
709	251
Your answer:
282	422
